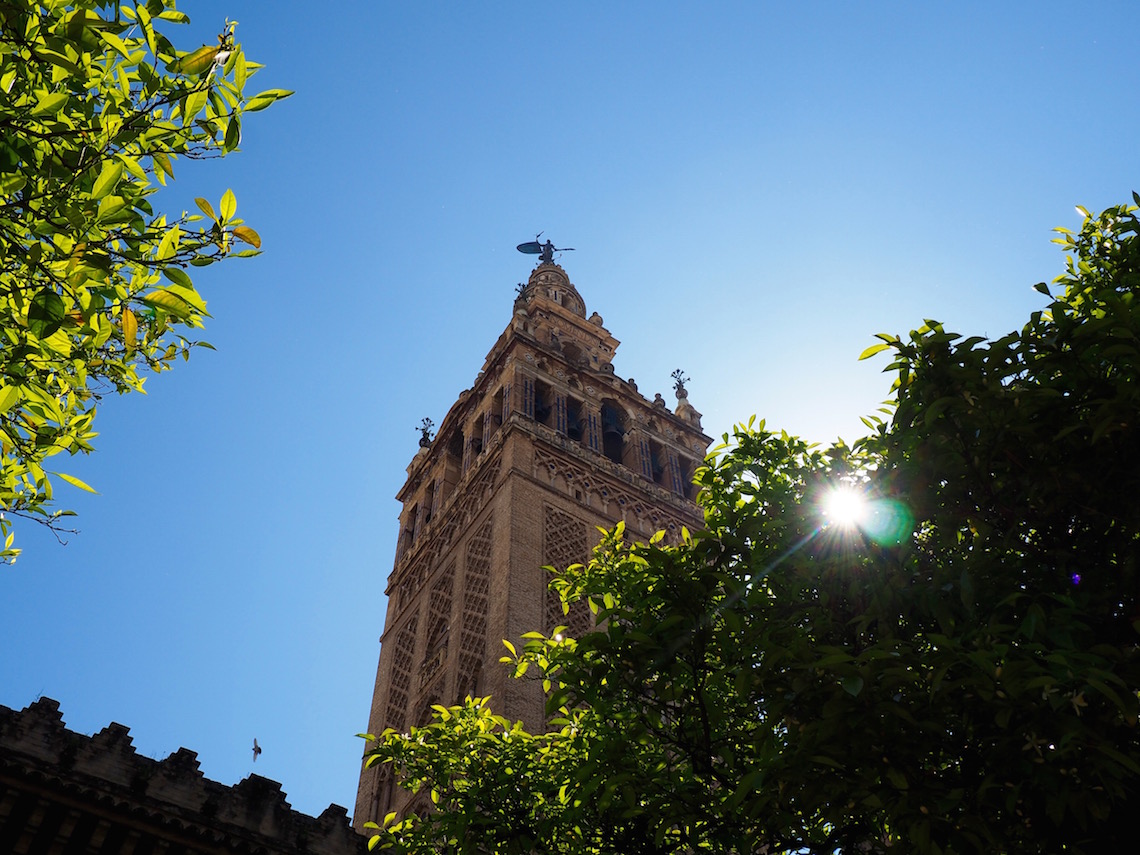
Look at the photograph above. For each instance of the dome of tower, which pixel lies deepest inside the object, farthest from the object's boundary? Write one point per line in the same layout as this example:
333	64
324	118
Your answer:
549	280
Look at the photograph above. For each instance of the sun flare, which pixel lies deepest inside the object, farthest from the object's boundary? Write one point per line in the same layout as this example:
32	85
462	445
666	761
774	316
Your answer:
845	507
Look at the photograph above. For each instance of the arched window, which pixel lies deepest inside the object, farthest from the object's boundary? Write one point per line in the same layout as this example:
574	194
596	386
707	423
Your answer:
575	418
657	463
614	422
543	404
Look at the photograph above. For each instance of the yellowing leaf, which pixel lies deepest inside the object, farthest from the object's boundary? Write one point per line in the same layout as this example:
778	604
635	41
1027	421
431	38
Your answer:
168	301
162	161
245	233
206	207
130	328
197	61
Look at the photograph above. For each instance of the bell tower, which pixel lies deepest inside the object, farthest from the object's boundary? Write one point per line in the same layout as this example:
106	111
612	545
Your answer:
546	445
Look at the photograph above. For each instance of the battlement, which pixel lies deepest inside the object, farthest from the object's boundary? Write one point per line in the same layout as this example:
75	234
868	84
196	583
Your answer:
61	790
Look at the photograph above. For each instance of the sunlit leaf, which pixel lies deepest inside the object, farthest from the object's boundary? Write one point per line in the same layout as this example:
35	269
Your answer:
130	328
50	103
245	233
108	178
228	205
75	482
206	207
196	62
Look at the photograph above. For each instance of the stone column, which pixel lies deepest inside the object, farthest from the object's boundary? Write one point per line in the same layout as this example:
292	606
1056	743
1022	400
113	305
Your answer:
674	468
527	384
593	434
560	412
508	403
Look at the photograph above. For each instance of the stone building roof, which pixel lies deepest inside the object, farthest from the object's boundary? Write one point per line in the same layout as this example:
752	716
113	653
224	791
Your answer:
62	791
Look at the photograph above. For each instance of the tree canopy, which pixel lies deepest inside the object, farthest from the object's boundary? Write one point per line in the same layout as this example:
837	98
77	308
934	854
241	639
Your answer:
96	108
925	642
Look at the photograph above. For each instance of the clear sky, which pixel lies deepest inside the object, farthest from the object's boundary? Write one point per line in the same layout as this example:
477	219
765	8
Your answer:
753	189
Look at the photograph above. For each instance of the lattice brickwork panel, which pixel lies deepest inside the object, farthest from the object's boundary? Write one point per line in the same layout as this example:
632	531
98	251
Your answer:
565	541
439	633
474	499
476	601
401	679
439	605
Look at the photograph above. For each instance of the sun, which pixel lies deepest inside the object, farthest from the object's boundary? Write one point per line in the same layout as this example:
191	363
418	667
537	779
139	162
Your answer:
845	507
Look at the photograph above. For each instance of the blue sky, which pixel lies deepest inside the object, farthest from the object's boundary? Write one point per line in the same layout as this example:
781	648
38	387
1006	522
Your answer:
754	190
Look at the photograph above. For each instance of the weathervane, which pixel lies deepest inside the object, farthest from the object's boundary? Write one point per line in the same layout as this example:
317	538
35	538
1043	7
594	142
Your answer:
544	251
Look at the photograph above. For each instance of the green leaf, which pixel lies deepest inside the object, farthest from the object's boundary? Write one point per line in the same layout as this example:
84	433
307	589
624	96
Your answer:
148	30
263	99
873	349
109	208
50	103
12	182
240	70
897	778
59	59
853	685
193	104
9	395
233	132
75	482
115	42
108	178
228	205
178	276
46	313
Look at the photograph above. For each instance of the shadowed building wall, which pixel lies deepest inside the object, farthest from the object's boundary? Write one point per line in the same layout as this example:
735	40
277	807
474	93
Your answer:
63	793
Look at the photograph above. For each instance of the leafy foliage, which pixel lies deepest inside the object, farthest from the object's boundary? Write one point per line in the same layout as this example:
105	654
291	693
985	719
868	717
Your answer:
96	107
956	673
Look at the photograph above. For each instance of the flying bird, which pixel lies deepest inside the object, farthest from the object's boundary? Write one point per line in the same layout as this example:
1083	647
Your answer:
256	749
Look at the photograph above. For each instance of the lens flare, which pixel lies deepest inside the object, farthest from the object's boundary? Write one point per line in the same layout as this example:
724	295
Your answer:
884	521
887	522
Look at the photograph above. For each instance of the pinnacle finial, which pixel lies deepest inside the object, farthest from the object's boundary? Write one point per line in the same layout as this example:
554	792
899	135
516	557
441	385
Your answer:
679	381
425	432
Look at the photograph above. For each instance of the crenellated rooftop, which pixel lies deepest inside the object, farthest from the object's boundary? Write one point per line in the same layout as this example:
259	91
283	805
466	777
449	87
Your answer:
82	793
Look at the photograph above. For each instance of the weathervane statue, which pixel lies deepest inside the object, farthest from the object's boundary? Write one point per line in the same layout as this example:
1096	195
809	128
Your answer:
544	251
